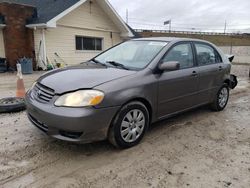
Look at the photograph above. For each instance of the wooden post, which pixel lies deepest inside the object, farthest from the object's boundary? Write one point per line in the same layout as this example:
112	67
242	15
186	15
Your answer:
249	72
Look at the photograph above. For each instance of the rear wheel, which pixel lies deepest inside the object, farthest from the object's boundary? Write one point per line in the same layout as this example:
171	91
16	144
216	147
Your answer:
221	99
129	125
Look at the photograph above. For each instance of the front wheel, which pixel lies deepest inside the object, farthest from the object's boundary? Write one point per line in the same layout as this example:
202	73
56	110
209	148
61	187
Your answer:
221	99
129	125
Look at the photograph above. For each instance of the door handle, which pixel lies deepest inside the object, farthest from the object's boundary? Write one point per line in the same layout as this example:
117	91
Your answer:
194	73
220	68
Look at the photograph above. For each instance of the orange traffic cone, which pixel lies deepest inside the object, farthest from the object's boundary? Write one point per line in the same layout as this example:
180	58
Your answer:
20	89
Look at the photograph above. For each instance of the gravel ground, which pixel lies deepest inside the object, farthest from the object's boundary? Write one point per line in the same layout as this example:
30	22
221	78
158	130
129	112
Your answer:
196	149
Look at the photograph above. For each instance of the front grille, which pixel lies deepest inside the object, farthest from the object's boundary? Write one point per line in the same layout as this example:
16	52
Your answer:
43	93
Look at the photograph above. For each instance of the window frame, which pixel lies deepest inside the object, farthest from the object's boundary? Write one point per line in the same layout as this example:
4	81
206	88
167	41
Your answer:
207	44
89	37
195	63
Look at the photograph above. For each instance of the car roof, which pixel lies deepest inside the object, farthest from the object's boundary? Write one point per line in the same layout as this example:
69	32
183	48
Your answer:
169	39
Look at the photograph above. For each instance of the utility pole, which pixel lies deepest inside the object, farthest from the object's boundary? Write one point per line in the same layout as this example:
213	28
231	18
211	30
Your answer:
225	27
127	16
170	26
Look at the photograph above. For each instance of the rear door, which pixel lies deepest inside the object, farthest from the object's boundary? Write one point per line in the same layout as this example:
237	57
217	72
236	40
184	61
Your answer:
177	90
211	71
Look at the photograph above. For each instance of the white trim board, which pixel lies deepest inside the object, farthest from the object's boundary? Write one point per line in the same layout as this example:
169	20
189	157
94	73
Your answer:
53	21
105	5
124	34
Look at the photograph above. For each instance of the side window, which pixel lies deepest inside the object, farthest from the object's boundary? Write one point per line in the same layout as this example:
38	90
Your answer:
206	55
183	54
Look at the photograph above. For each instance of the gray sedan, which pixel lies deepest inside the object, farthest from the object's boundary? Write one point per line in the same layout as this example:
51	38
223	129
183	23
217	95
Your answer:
119	93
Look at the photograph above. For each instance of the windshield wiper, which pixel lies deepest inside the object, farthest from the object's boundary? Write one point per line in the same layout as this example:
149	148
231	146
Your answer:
98	62
116	64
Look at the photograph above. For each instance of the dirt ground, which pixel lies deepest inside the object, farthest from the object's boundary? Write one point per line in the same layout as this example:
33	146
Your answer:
197	149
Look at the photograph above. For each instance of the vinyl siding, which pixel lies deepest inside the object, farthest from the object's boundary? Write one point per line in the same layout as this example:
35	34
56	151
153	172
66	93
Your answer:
89	16
2	51
61	40
82	22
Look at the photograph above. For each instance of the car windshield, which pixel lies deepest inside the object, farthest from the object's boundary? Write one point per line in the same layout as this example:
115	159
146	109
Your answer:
131	54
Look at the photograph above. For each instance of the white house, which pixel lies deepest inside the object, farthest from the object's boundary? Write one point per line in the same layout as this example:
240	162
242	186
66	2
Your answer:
72	31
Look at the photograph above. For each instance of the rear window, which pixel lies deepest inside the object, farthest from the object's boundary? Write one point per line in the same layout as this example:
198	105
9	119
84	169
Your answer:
206	54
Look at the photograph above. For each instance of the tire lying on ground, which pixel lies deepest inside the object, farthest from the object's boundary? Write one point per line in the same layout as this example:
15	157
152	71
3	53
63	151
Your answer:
12	104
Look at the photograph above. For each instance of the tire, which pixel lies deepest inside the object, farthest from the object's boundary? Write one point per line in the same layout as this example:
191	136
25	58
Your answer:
136	128
12	104
220	104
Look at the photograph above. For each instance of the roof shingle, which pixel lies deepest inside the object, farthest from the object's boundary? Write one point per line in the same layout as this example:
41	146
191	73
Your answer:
46	9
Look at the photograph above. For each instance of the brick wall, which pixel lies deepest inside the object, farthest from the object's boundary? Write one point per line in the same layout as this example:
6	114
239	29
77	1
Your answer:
18	40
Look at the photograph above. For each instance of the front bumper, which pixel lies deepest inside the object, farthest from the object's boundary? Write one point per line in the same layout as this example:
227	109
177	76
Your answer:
82	125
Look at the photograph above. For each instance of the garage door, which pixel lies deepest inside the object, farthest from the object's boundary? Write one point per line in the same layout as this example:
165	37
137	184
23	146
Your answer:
2	52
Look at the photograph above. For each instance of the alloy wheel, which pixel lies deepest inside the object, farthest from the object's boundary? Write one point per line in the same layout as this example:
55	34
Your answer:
132	125
223	97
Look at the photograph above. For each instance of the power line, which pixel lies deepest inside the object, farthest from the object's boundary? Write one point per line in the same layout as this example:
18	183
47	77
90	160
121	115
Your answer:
181	23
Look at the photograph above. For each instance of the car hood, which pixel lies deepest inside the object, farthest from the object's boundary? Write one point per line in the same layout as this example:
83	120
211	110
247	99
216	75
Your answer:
84	76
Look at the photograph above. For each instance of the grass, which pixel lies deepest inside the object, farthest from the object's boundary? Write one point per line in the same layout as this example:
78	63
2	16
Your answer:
220	40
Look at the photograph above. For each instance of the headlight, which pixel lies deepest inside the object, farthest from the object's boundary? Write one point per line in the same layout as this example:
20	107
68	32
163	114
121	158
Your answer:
80	98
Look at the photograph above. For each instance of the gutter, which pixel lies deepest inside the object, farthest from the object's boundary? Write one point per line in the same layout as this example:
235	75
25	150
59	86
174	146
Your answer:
34	26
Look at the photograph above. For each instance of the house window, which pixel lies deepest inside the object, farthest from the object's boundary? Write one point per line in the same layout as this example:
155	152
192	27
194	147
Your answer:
88	43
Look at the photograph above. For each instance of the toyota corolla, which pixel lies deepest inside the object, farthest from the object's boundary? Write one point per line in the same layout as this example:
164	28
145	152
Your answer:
119	93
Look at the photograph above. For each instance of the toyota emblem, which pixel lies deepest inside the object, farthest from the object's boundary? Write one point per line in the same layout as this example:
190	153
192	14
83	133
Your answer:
39	92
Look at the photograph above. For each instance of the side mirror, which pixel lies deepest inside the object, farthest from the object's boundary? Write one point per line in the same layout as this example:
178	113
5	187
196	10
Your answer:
169	66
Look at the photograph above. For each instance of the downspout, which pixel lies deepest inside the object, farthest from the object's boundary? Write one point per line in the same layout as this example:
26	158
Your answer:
3	45
44	47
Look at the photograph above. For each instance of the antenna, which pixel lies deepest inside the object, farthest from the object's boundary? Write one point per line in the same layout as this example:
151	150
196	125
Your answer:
127	16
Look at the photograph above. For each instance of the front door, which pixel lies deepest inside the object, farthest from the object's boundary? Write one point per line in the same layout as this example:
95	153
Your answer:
177	90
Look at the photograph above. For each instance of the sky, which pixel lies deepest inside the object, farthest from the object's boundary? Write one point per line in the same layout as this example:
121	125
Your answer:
196	15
